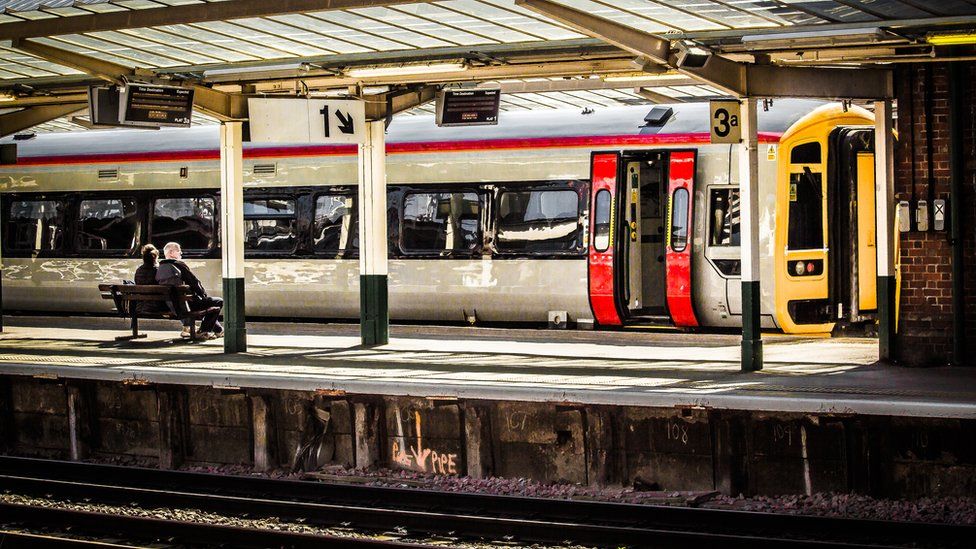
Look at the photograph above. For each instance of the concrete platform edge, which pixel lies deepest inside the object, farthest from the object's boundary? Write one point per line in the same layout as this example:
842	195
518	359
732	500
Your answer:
868	405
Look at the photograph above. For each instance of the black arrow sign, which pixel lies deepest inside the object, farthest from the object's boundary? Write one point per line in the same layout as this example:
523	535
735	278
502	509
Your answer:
345	122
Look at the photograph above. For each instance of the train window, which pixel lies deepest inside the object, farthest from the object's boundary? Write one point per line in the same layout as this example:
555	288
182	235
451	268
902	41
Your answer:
538	221
679	220
336	227
187	220
601	221
441	222
107	224
34	225
269	225
724	208
807	153
805	231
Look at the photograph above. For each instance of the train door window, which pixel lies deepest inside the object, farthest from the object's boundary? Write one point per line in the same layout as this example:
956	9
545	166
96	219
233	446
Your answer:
724	208
34	225
336	227
806	211
678	239
107	224
538	221
601	221
186	220
269	225
441	222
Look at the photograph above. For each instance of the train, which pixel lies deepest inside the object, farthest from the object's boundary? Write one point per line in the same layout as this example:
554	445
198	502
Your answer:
607	217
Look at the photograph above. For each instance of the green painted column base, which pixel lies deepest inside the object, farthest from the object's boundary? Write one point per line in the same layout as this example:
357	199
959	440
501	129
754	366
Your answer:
752	348
886	317
235	330
374	310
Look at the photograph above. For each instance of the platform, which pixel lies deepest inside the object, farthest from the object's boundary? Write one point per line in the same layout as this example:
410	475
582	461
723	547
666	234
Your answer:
631	368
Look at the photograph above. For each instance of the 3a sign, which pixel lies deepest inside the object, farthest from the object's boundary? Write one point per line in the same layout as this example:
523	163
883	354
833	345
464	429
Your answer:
724	122
307	120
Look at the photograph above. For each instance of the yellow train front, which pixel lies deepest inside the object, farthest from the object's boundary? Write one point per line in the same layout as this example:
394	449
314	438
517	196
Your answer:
622	216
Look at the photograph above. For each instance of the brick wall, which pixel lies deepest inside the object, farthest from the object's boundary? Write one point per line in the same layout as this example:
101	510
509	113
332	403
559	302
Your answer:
925	320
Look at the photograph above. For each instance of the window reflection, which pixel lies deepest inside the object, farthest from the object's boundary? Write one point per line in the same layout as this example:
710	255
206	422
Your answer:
189	221
34	225
107	224
538	221
269	225
336	227
441	222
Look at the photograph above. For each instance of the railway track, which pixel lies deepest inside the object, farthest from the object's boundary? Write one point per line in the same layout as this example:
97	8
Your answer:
415	513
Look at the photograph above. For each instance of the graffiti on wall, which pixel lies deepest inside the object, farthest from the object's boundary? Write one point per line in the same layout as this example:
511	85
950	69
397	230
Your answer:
410	452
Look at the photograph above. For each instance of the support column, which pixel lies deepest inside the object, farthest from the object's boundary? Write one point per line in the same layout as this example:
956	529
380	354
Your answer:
263	432
752	359
374	310
232	235
79	421
1	278
957	167
884	190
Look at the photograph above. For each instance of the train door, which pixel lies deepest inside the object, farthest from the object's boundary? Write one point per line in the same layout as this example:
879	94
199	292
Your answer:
852	297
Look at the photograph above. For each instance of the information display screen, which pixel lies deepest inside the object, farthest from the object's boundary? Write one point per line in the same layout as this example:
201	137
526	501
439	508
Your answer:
478	107
147	105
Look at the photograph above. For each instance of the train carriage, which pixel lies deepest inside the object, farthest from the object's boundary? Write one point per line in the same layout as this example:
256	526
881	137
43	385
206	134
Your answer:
619	216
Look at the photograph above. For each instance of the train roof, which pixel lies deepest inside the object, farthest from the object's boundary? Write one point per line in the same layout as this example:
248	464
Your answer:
687	118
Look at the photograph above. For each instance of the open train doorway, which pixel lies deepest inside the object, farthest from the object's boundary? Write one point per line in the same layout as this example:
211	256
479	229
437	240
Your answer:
852	299
655	241
644	204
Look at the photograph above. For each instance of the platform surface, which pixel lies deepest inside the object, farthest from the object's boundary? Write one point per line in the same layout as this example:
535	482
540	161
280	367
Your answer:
631	368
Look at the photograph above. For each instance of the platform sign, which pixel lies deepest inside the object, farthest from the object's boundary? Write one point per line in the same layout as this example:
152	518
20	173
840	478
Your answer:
475	107
290	120
150	105
724	121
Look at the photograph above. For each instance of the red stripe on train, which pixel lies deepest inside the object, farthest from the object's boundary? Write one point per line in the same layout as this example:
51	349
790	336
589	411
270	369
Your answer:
392	148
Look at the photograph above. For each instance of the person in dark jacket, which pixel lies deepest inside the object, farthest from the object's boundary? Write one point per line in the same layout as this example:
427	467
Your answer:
146	274
173	271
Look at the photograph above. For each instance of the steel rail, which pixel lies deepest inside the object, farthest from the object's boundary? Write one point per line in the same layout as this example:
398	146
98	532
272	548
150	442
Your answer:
475	514
194	533
16	540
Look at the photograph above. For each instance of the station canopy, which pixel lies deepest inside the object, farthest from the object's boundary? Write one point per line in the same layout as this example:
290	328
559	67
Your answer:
542	53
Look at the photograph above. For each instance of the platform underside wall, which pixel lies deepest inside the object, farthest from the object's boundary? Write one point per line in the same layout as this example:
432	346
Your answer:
752	453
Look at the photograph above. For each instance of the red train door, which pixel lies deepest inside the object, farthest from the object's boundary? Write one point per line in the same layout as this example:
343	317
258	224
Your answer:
679	231
602	233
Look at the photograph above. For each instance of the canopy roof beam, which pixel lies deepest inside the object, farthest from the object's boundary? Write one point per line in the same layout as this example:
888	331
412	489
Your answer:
221	105
178	15
472	74
13	122
732	77
383	106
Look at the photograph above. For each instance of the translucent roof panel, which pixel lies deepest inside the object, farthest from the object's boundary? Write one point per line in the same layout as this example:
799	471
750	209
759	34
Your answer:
410	27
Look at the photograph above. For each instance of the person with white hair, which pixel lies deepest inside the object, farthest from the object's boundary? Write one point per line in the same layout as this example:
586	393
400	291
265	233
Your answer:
173	271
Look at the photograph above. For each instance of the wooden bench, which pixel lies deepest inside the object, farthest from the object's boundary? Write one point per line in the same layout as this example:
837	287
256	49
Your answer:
128	296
